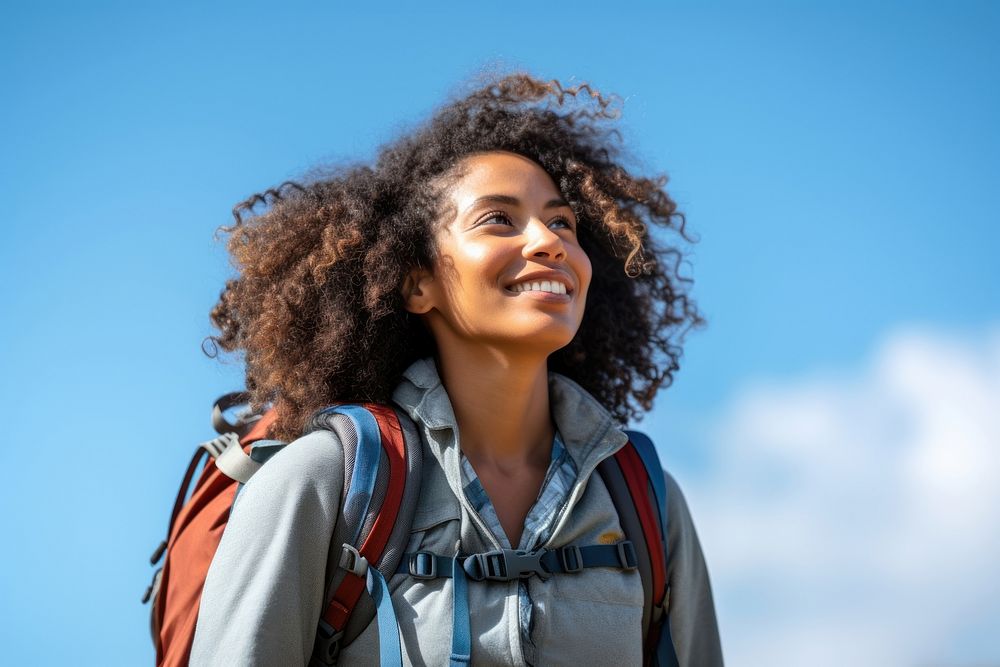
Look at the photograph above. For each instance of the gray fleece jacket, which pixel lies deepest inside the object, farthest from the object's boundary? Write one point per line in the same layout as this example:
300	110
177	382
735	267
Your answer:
264	591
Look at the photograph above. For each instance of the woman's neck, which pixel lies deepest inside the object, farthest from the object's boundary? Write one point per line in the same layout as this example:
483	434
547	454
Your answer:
501	404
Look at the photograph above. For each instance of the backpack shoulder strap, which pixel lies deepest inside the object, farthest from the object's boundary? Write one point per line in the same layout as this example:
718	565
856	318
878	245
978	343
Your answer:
382	453
650	460
614	479
636	483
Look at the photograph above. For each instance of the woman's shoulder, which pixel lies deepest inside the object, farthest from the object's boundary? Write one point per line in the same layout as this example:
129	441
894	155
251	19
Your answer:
269	571
312	465
318	448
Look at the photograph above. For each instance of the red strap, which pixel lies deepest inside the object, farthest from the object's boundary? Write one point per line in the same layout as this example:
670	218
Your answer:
637	480
349	591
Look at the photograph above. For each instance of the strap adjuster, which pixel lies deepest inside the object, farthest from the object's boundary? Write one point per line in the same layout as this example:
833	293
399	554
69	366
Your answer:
352	561
571	559
423	565
627	557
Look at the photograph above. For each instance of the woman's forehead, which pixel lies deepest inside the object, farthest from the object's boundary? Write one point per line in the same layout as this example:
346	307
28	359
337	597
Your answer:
499	173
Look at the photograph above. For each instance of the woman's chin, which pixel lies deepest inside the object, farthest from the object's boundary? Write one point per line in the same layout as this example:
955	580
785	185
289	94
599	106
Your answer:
543	340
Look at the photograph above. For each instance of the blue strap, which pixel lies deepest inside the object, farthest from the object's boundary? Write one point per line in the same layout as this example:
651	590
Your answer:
390	653
366	462
461	633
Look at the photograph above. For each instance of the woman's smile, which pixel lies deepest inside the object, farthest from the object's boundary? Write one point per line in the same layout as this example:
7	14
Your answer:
552	282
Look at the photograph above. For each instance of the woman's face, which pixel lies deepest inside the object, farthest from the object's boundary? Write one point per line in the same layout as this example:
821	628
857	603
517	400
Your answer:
510	269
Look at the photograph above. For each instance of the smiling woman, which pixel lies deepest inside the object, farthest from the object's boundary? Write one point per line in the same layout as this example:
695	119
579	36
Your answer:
513	276
492	277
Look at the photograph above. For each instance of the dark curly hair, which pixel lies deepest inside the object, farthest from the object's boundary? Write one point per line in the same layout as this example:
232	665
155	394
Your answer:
316	307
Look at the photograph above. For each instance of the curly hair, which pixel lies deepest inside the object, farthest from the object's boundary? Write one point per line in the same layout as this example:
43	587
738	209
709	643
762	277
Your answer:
316	307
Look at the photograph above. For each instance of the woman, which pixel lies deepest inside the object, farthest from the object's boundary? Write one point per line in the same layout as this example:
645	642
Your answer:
493	276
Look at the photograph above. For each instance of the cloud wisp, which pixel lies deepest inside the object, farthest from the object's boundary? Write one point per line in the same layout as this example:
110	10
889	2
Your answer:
854	518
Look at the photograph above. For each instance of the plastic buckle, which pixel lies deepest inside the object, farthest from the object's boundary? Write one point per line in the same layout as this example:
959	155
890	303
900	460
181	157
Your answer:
327	646
627	557
507	565
571	559
423	565
352	561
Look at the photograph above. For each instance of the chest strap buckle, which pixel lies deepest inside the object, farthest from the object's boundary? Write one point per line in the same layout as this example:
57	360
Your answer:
505	565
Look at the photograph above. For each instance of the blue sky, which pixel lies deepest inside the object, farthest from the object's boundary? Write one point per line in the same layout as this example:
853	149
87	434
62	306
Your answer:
837	161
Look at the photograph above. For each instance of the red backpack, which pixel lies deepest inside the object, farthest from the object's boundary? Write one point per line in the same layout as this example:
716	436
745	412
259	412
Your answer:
384	446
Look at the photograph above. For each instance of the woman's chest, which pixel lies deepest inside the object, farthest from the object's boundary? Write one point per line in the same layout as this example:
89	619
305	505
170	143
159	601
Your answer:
592	616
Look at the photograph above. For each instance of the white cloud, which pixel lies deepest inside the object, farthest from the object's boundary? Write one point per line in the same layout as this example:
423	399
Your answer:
854	518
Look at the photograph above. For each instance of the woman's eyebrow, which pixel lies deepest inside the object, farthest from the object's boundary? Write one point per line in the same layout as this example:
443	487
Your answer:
512	201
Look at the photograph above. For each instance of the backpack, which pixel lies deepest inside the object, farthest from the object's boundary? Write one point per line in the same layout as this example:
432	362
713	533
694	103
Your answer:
382	453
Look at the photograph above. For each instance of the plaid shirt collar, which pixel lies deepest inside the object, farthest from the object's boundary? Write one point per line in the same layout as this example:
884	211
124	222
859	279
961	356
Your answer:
559	479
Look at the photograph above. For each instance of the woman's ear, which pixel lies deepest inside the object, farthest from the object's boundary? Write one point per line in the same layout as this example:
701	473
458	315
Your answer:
416	291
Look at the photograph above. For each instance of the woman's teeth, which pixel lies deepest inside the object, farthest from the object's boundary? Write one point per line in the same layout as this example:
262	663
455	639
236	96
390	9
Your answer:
540	286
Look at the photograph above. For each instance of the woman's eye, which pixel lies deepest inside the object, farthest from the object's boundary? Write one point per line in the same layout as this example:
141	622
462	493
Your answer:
566	223
496	216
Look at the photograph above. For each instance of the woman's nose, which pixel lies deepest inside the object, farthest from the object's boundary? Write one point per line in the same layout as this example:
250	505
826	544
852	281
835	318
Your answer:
543	242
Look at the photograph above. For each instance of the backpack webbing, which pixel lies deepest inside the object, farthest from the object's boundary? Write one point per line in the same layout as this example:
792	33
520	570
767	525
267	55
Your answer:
378	430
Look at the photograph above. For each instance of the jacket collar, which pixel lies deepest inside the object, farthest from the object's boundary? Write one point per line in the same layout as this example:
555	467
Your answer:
588	430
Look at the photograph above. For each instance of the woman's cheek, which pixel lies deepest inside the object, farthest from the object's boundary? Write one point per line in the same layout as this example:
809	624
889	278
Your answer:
586	272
